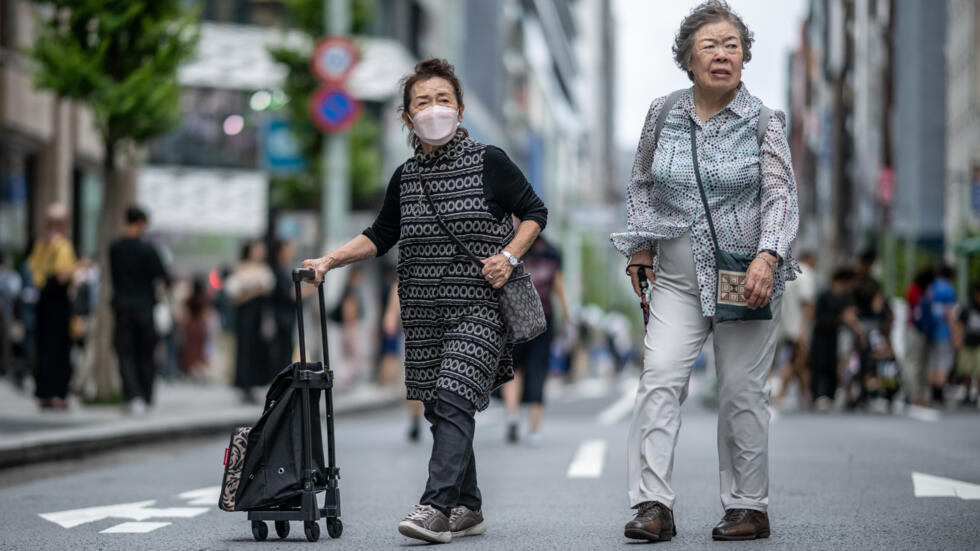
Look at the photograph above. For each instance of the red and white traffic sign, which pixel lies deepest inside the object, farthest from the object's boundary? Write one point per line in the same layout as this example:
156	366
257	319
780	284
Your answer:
333	59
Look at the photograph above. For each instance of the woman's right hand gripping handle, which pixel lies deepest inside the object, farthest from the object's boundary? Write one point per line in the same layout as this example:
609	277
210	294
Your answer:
320	266
640	270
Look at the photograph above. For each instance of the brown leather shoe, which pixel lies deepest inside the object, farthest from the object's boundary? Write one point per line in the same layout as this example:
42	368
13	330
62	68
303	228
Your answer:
742	524
653	522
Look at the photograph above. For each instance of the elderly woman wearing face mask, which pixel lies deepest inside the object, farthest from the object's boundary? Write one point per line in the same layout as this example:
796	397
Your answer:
743	163
456	349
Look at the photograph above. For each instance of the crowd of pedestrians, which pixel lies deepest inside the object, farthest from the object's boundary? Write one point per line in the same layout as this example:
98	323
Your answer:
232	327
845	347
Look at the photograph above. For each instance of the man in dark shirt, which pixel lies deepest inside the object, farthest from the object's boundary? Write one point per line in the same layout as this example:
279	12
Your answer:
834	308
135	267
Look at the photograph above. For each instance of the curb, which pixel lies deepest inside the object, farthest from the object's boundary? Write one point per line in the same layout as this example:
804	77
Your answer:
77	442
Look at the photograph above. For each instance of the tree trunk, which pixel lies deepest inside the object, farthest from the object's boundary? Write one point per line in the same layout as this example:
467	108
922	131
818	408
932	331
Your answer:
99	379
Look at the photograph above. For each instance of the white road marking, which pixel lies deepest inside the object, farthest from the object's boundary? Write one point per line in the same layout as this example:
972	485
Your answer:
202	496
588	460
621	407
134	527
139	510
920	413
927	485
591	388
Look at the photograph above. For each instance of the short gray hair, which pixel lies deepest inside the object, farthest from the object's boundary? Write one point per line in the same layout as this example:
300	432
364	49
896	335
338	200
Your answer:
707	12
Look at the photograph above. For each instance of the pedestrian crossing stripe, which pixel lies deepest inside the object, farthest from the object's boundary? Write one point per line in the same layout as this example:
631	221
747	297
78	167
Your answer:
588	460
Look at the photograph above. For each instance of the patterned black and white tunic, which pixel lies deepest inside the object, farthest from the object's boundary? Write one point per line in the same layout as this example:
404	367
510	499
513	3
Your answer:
454	335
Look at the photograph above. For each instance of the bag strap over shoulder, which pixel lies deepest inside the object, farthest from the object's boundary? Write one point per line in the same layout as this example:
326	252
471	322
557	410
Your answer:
760	131
697	176
669	104
442	224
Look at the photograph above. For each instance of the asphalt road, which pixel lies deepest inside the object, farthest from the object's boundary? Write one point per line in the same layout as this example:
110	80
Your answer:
837	482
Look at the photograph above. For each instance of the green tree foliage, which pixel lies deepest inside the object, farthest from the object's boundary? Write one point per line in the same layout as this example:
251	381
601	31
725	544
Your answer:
302	190
120	58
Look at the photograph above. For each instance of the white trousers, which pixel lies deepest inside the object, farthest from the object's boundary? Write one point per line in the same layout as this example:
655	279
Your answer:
744	353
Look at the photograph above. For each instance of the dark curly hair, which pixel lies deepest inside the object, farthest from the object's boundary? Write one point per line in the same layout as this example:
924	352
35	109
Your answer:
705	13
424	70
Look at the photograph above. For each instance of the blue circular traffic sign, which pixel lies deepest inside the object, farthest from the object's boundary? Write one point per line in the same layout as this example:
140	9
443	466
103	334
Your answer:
333	109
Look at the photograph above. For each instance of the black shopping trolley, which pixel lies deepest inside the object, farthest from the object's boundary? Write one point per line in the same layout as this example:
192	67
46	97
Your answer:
275	469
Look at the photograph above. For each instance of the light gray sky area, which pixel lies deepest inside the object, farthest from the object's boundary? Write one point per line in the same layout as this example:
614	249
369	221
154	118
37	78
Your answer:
646	69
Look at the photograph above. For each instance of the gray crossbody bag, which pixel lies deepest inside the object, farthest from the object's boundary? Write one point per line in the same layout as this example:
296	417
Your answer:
520	305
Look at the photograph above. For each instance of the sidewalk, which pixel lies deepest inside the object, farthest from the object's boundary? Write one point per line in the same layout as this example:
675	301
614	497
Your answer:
182	409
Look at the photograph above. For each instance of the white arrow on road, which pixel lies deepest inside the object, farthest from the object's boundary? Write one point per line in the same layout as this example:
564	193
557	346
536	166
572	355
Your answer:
203	496
135	527
139	510
927	485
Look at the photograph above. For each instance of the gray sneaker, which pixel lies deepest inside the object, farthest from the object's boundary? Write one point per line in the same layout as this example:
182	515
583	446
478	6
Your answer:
426	523
466	522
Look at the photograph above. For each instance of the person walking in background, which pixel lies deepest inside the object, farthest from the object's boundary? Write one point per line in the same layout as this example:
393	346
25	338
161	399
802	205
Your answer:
967	337
10	285
52	264
348	313
799	302
456	346
284	303
918	328
751	195
195	332
135	268
250	287
940	301
533	359
391	326
389	360
876	319
834	309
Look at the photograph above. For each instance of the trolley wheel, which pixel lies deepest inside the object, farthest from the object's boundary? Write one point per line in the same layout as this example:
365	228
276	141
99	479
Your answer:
334	527
260	530
282	528
312	530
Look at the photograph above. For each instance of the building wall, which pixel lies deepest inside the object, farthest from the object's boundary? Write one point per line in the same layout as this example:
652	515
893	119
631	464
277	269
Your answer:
963	120
46	143
920	122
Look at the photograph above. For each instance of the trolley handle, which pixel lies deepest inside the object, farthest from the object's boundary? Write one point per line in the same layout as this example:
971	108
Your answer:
309	274
304	274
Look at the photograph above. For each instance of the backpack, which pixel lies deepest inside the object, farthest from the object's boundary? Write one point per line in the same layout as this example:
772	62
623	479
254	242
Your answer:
760	132
922	316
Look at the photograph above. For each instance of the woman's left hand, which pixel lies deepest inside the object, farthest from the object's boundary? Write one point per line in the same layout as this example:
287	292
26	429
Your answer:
759	281
497	270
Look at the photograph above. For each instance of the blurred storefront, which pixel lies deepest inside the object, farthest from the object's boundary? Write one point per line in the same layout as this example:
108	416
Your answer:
49	150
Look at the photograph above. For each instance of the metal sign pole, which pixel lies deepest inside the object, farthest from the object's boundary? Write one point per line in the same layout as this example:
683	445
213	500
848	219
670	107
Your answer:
335	194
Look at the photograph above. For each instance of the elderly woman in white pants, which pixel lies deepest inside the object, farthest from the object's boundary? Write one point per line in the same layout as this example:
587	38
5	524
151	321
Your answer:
743	163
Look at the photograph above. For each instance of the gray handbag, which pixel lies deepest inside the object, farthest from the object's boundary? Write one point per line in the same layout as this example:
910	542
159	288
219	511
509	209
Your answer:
520	305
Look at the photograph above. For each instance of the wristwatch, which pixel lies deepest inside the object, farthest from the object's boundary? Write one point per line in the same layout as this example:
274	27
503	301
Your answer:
514	261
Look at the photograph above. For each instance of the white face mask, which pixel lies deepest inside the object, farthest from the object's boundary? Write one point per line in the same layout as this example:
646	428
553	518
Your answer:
435	125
